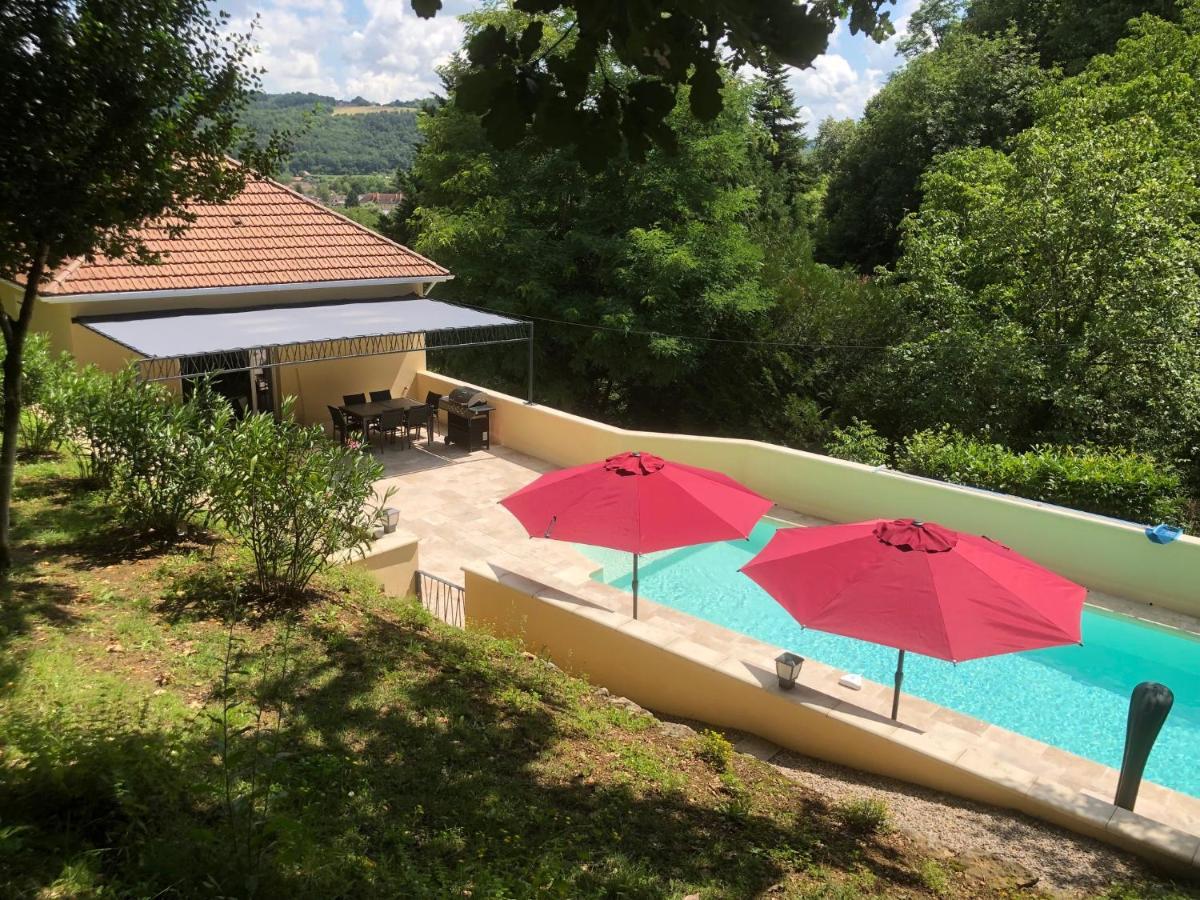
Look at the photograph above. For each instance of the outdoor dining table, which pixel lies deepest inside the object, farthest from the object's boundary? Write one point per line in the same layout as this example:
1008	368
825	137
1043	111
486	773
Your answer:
372	409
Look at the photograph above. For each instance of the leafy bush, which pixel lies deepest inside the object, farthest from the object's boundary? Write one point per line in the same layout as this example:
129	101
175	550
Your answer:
714	748
858	442
864	816
1118	483
163	470
42	424
94	404
152	453
294	497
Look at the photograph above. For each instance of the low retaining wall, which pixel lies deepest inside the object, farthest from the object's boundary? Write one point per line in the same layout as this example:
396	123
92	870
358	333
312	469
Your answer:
393	560
1100	553
665	672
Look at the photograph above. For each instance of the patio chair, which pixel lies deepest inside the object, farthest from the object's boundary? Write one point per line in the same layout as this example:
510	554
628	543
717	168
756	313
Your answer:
385	394
415	418
432	398
352	399
343	427
390	424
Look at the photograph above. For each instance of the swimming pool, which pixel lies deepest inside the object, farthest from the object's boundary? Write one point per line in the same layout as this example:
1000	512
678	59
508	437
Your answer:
1076	698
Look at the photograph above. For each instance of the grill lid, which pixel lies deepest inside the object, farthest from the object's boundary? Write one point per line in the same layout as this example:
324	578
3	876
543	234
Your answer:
467	396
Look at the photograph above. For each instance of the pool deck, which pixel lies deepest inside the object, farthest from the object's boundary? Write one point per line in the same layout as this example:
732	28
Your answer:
448	499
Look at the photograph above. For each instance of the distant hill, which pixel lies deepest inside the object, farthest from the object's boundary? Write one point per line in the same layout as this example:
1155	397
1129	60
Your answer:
343	137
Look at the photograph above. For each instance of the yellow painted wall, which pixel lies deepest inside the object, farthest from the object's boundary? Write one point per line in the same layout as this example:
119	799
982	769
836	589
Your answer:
54	321
1099	553
315	385
319	385
393	560
630	659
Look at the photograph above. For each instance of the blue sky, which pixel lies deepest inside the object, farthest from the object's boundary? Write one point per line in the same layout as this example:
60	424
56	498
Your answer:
380	50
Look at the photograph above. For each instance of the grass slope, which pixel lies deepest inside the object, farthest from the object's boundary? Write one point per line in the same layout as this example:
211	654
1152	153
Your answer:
419	761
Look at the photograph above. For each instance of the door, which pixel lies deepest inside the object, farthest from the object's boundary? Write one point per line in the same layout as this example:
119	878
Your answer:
242	377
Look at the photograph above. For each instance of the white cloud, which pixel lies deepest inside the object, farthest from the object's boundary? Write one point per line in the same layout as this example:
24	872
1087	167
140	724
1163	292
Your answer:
833	87
840	84
380	49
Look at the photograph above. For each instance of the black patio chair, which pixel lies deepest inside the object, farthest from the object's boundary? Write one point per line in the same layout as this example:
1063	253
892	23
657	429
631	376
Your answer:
352	399
343	425
390	424
432	399
385	394
415	418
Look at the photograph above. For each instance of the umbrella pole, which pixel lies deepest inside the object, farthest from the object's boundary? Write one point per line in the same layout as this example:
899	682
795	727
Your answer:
635	562
899	680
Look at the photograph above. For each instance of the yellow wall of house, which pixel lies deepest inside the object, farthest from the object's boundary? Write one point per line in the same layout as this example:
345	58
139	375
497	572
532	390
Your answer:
319	385
1099	553
315	385
668	674
53	321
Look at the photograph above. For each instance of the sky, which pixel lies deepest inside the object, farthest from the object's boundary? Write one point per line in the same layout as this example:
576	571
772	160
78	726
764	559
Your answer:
380	50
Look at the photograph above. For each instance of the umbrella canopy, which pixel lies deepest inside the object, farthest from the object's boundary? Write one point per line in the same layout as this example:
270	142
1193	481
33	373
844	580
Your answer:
637	502
918	586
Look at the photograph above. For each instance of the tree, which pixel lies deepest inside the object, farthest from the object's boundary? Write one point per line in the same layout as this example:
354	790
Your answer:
1053	292
116	112
833	137
513	77
928	26
787	174
971	92
1064	33
634	253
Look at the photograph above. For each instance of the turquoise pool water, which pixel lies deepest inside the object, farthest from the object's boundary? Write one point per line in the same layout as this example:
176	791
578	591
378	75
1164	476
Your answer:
1076	698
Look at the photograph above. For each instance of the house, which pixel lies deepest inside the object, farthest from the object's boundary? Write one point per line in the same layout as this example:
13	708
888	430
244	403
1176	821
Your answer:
272	293
385	201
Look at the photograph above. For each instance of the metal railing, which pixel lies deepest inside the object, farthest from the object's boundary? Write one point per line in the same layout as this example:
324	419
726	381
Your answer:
444	599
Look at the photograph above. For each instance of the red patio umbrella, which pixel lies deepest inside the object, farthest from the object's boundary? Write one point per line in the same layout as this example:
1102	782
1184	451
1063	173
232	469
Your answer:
918	586
636	502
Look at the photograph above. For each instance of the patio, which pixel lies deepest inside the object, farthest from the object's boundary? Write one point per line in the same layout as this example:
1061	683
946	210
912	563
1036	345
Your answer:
448	500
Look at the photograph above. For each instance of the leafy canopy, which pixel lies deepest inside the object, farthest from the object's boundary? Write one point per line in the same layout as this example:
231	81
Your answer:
665	246
524	78
1054	292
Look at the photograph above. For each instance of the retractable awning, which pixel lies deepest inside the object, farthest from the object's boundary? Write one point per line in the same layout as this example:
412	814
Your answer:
289	334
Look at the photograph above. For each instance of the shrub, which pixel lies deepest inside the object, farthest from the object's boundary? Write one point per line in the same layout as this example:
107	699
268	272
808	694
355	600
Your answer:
864	815
42	423
714	748
294	497
1118	483
95	414
858	442
162	468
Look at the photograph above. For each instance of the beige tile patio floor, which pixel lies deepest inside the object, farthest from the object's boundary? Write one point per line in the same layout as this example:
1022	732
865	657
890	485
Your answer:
448	499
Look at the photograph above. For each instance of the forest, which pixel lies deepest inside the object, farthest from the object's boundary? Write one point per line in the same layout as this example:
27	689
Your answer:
992	277
332	137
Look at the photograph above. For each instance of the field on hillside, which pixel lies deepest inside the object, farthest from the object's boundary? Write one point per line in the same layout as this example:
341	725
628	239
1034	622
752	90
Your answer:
372	108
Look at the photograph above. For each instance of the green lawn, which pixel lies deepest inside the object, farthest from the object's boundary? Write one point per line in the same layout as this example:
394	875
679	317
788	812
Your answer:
416	760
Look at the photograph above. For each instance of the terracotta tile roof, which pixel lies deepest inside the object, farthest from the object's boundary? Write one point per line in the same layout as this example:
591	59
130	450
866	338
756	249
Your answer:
266	235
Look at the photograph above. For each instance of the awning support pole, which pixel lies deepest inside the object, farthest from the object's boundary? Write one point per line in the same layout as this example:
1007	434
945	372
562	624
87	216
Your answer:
529	397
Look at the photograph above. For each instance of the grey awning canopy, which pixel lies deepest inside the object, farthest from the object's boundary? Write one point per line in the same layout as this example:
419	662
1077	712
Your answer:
289	334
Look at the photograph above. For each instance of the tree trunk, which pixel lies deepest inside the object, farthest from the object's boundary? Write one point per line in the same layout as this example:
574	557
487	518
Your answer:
14	341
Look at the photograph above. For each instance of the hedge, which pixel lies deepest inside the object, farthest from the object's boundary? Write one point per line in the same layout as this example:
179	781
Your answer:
1112	482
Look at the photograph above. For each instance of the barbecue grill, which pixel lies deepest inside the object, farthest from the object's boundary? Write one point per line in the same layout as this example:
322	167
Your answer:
468	418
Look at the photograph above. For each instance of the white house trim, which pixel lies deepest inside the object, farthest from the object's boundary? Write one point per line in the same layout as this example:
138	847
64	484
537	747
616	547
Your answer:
236	289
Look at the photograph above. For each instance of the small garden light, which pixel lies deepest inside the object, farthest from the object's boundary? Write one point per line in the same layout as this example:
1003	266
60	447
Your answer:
391	519
787	667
